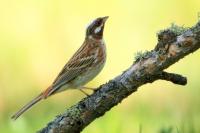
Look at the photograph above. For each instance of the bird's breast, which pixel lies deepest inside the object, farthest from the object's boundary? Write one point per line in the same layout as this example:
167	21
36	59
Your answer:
94	69
84	78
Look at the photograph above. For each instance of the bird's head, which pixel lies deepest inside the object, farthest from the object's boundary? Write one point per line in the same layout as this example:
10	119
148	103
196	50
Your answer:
95	29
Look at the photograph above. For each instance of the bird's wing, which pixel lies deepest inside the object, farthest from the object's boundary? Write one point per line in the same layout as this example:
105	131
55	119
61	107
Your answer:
79	63
73	69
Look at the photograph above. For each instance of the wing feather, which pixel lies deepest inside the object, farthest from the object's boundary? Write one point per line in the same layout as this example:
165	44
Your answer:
71	70
74	69
82	60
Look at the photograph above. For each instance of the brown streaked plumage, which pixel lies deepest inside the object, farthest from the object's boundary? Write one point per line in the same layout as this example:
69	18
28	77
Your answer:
83	66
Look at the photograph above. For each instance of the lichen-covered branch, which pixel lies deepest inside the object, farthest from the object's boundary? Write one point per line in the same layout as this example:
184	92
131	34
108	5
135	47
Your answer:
173	44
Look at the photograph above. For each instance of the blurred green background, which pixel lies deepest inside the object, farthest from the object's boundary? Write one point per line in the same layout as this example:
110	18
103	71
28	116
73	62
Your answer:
37	37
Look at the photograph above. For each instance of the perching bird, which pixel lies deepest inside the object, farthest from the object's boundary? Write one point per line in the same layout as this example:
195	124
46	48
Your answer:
83	66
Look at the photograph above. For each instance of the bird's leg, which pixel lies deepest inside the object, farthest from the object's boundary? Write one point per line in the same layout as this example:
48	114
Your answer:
88	88
84	92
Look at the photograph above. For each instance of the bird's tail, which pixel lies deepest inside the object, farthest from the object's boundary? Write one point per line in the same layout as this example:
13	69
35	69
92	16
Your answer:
27	106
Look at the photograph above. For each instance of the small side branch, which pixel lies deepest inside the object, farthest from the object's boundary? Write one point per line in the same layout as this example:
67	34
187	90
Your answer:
174	78
173	44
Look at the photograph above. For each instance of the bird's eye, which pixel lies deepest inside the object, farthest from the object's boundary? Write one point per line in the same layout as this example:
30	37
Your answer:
98	22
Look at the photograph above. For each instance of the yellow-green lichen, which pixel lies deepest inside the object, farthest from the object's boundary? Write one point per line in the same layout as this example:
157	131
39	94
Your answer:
141	55
74	111
178	30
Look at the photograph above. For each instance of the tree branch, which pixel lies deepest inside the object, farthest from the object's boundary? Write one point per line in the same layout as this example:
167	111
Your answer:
174	43
174	78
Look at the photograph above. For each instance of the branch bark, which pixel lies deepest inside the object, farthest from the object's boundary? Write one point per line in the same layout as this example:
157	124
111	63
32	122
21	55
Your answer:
173	44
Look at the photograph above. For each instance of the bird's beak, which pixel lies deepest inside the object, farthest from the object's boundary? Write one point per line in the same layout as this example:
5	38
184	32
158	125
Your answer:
105	18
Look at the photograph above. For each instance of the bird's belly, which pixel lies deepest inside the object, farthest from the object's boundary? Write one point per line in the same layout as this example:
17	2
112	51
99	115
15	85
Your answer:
87	76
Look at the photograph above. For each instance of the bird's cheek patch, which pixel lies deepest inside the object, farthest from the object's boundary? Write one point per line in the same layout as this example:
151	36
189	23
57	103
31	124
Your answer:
98	29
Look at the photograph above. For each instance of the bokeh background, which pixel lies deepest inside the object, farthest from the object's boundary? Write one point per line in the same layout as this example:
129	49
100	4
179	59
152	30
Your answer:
37	38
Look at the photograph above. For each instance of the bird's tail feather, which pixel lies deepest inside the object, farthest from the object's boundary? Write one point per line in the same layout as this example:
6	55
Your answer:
27	106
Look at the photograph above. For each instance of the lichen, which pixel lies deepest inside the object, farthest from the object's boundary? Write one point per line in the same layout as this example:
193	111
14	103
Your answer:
196	28
141	55
73	111
178	30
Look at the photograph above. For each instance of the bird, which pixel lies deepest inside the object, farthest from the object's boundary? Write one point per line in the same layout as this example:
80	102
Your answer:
82	67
